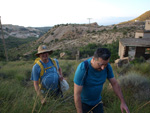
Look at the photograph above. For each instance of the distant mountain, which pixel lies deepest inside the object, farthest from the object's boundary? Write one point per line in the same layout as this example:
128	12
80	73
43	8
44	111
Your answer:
16	36
141	18
44	29
22	32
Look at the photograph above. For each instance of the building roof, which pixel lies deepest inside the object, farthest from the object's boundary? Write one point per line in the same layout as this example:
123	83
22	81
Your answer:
135	42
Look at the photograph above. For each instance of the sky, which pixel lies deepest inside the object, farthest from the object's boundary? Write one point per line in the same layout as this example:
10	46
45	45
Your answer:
42	13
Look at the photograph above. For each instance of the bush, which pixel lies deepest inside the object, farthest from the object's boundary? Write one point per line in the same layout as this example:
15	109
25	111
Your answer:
137	84
143	68
88	50
138	60
56	53
114	47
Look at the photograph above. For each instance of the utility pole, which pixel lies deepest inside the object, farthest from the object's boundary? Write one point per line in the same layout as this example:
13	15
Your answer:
89	19
3	41
89	24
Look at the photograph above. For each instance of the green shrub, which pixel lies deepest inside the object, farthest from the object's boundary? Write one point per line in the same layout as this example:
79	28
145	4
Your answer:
138	60
114	47
56	40
88	50
56	53
143	68
124	32
137	84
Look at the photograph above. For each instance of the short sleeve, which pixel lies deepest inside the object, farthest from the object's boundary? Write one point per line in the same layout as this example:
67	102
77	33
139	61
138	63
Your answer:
35	74
80	74
110	73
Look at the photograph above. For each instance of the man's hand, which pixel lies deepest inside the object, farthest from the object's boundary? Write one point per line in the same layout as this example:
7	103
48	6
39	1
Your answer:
43	101
60	74
61	77
123	107
37	89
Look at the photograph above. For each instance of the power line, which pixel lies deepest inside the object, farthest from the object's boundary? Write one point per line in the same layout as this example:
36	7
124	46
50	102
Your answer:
3	41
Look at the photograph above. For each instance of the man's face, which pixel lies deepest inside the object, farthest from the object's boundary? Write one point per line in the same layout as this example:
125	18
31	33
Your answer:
44	57
100	64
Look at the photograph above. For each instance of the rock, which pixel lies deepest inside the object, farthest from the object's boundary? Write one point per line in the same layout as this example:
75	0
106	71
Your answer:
121	62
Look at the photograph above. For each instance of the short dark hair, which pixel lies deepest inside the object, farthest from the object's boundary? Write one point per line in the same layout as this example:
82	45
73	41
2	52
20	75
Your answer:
103	53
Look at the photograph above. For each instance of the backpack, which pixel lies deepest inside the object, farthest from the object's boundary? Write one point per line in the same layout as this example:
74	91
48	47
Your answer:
37	60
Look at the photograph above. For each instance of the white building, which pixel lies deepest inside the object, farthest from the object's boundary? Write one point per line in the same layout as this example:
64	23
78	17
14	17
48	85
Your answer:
144	33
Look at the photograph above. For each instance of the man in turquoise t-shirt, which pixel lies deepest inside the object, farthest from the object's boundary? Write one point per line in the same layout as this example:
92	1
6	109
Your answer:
50	79
88	83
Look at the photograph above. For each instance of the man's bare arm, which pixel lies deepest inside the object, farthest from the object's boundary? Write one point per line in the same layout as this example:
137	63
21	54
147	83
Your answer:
77	97
118	92
60	74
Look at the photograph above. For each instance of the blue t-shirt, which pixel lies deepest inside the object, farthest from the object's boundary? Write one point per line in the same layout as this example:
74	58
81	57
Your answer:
93	82
50	77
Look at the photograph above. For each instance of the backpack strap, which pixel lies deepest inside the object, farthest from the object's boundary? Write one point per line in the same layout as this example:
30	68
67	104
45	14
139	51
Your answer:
42	68
86	66
41	73
107	69
54	62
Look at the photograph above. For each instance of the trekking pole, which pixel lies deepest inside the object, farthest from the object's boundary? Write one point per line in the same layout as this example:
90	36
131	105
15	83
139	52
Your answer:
45	99
94	107
3	41
35	102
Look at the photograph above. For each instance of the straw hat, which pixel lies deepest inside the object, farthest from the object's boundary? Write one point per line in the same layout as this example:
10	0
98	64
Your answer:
43	49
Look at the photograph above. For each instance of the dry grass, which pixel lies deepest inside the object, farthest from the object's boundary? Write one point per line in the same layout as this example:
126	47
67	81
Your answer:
17	97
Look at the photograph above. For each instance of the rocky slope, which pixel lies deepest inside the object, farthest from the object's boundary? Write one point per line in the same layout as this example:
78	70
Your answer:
69	36
73	36
21	32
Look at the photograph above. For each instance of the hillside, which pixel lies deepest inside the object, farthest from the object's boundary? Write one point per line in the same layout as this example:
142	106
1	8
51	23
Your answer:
16	36
71	37
23	32
141	18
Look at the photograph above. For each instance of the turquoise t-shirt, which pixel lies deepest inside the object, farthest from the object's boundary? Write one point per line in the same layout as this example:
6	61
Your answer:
50	77
93	82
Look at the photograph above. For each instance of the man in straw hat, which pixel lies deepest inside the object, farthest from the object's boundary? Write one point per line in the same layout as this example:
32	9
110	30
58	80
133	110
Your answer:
88	83
48	81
